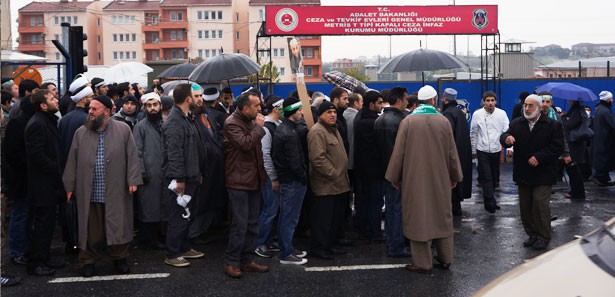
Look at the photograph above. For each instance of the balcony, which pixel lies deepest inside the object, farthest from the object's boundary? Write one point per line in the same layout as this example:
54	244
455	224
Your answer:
311	61
173	25
31	47
173	44
31	29
151	45
151	28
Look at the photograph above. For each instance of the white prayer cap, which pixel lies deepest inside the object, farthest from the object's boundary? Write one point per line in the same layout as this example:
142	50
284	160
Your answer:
427	92
535	97
149	96
605	95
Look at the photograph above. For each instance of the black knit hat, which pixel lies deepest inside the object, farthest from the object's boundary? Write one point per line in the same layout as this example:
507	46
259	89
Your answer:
324	106
105	100
291	105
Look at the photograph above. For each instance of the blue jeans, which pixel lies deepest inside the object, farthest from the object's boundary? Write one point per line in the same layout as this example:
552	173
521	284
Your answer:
19	244
291	199
271	204
393	226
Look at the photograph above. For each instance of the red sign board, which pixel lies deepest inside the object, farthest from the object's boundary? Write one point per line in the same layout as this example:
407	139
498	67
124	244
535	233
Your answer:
381	20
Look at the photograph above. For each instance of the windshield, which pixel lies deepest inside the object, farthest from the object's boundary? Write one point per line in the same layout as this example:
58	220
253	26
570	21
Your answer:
599	246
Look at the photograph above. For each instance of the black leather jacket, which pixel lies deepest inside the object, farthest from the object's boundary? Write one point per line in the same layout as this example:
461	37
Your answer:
386	127
287	153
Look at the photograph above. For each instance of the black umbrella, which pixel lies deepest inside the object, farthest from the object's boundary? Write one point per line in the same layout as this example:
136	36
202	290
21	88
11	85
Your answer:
422	60
179	71
224	67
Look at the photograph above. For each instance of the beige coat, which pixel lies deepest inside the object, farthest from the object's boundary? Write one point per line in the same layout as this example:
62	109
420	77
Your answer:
424	162
328	161
121	170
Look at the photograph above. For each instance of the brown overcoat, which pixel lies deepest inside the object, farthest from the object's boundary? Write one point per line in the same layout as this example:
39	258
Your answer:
425	162
121	170
328	161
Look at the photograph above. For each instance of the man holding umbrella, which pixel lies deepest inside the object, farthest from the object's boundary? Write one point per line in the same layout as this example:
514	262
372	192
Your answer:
603	142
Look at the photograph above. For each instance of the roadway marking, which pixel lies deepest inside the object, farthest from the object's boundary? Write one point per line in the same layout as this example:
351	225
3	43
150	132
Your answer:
354	267
108	278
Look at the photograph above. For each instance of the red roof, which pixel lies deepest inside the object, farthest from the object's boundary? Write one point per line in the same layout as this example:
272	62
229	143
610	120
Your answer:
284	2
133	5
55	6
196	3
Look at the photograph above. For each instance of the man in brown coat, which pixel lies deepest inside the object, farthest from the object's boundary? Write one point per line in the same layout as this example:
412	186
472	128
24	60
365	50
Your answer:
426	165
329	181
245	174
102	171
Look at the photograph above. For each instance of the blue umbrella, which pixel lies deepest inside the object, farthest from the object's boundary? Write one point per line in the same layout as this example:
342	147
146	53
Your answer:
568	91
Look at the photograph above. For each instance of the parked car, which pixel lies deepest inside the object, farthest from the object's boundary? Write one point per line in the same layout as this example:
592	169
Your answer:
582	267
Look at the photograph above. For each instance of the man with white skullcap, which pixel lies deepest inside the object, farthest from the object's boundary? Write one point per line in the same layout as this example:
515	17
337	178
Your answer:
425	140
539	142
148	139
603	143
99	86
67	104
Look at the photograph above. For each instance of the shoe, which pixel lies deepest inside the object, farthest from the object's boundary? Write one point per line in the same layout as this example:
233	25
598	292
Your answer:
274	247
441	264
338	252
42	271
413	268
540	245
9	280
21	260
232	271
88	270
55	263
497	207
253	267
177	262
193	254
293	260
300	253
262	251
121	266
530	241
490	208
600	183
322	255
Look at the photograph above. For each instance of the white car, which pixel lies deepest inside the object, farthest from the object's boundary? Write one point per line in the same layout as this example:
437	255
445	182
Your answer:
583	267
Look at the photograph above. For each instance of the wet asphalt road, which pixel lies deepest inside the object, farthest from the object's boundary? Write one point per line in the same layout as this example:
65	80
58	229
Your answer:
486	246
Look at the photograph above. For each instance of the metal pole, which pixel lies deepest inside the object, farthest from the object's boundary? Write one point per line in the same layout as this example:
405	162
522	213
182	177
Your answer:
580	69
608	68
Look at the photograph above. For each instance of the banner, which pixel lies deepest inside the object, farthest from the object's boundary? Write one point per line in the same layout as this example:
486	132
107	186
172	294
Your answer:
381	20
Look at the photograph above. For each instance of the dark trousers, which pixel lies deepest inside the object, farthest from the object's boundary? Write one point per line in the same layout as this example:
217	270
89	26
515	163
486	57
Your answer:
327	218
374	191
535	211
577	188
489	175
42	222
177	227
97	238
245	210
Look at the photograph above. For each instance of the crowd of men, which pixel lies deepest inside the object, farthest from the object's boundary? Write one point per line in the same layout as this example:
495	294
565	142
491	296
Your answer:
114	159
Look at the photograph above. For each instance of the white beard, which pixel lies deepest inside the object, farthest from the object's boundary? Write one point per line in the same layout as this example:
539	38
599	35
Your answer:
532	115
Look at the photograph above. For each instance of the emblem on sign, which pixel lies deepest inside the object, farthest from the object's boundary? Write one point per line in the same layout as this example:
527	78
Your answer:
480	20
286	19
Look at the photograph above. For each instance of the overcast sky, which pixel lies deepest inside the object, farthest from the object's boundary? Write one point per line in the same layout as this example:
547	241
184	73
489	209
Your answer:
541	21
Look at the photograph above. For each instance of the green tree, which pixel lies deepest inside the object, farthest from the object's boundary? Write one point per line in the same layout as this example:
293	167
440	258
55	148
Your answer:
268	70
357	72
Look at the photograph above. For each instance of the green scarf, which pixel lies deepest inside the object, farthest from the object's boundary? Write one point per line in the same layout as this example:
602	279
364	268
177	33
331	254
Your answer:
552	114
425	109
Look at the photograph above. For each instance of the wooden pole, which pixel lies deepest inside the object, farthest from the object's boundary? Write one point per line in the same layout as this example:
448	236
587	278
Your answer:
305	100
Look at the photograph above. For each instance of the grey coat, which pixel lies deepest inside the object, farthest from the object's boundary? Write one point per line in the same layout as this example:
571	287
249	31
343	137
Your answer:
148	140
182	149
121	171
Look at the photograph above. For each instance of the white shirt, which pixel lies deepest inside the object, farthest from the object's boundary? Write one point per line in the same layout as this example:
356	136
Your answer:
486	128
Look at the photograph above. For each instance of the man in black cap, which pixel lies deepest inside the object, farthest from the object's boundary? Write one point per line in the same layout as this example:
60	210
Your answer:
128	112
103	190
211	97
328	180
167	105
289	161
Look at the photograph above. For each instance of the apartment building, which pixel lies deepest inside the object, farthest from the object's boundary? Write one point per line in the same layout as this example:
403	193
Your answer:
163	30
39	23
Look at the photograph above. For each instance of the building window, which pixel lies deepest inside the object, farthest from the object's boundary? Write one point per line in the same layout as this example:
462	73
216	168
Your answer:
114	55
62	20
121	37
155	20
121	55
206	15
282	52
213	34
206	53
309	52
180	54
98	56
213	52
282	71
237	17
173	16
219	33
180	35
199	15
174	54
200	34
56	20
261	14
114	37
200	53
58	56
98	38
74	20
134	55
98	24
133	19
127	55
134	37
127	38
219	14
173	35
237	35
56	37
308	71
180	16
114	18
275	52
213	15
206	34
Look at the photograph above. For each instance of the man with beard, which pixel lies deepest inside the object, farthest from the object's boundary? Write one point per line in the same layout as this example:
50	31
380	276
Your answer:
211	101
183	156
339	98
99	86
539	142
459	124
225	104
148	139
44	176
245	175
128	112
603	143
102	171
424	164
68	125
